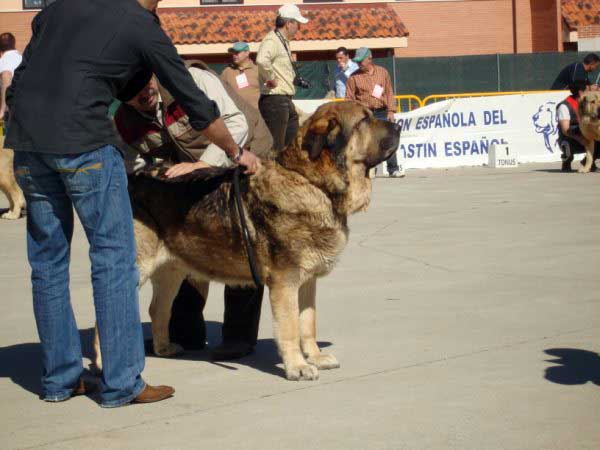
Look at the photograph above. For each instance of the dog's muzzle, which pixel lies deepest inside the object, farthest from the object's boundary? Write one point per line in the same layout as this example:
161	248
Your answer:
389	144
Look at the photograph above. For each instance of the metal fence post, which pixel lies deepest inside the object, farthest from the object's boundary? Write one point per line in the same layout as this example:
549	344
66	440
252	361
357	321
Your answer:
498	70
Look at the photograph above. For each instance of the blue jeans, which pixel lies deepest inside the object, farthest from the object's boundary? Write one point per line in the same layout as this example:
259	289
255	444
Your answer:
95	184
392	161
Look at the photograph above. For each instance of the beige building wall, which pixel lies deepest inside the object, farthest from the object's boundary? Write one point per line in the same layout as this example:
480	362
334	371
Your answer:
19	24
457	28
11	5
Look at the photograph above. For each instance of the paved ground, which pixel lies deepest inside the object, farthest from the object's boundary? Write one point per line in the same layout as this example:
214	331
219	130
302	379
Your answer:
465	313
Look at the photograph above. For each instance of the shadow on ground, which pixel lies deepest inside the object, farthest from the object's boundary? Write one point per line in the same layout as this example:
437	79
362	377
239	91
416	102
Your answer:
22	363
574	366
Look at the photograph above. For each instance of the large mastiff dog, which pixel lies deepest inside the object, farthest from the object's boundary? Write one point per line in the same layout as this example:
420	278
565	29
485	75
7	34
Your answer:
589	124
297	210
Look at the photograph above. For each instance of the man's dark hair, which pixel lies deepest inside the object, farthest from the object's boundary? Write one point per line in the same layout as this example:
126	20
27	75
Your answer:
591	58
577	86
7	42
281	21
344	50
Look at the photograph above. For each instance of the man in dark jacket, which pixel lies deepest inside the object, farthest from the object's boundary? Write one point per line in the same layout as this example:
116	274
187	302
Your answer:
81	55
577	72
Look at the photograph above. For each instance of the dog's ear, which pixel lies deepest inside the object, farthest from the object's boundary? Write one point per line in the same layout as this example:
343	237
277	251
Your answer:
323	132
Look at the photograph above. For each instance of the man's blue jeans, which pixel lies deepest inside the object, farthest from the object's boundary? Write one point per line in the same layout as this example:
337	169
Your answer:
95	184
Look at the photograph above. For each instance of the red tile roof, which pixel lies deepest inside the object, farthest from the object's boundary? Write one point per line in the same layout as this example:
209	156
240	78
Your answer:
250	23
579	13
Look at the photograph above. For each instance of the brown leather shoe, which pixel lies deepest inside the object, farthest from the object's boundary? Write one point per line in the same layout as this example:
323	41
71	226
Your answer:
152	394
82	388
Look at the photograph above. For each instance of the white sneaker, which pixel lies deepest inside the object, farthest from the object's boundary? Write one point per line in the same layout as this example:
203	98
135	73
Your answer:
400	173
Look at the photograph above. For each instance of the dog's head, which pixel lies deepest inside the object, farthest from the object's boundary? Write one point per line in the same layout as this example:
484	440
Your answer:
336	147
589	106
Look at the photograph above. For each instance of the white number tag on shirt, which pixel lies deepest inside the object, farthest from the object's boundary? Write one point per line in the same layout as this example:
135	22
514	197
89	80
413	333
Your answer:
377	91
242	81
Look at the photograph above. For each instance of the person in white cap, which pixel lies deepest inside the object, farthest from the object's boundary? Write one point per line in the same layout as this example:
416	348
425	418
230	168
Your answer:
276	76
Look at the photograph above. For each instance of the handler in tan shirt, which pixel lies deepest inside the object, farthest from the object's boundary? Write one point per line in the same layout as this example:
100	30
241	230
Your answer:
242	74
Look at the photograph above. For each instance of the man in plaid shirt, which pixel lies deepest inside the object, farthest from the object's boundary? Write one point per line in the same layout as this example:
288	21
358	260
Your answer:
371	86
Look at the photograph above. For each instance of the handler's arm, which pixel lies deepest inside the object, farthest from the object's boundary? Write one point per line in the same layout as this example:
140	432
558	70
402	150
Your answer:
161	56
264	59
565	126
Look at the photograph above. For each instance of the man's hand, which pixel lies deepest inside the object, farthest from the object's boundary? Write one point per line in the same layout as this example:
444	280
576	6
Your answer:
250	161
184	168
390	116
271	83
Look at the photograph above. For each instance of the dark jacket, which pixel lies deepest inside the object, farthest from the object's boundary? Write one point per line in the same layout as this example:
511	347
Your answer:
572	105
81	55
569	74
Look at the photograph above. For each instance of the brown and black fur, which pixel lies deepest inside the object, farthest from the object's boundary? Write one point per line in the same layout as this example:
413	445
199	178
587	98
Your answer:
296	208
589	124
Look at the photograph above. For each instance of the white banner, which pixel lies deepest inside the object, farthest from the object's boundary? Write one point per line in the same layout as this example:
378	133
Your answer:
459	132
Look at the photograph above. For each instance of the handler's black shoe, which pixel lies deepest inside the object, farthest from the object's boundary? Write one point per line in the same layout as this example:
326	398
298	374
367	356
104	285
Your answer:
231	350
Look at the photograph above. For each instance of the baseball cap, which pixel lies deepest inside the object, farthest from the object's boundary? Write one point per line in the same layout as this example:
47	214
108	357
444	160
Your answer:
291	11
361	54
239	47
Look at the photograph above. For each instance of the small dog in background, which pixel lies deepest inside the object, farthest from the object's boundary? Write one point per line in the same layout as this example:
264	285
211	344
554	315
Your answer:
589	124
8	184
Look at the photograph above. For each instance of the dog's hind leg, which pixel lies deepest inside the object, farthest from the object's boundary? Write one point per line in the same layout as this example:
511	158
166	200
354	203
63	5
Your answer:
589	158
166	281
308	328
9	186
97	362
284	305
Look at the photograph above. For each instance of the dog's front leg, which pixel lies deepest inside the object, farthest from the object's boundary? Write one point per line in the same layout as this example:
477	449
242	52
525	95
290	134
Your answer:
284	305
308	328
166	281
589	157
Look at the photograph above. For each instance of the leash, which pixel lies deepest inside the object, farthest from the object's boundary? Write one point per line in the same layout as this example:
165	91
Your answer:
244	226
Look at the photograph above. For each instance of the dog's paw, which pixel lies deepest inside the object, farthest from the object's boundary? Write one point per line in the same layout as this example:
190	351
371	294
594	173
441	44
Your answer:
324	361
302	372
167	350
583	170
11	215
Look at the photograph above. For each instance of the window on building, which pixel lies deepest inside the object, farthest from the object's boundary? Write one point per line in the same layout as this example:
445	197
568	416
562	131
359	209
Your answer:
36	4
221	2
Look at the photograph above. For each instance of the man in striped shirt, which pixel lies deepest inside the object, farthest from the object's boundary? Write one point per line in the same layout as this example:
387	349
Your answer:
371	86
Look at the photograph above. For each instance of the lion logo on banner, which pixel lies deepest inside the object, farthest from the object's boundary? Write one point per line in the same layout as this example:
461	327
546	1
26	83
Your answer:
544	121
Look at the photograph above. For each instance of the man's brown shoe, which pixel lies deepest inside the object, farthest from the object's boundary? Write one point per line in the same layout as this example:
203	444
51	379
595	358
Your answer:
152	394
82	388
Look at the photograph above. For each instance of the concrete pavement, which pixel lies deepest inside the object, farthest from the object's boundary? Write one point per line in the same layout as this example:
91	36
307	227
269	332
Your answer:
465	314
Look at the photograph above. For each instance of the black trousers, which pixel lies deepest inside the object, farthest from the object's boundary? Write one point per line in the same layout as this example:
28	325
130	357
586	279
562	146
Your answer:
279	113
570	147
240	323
